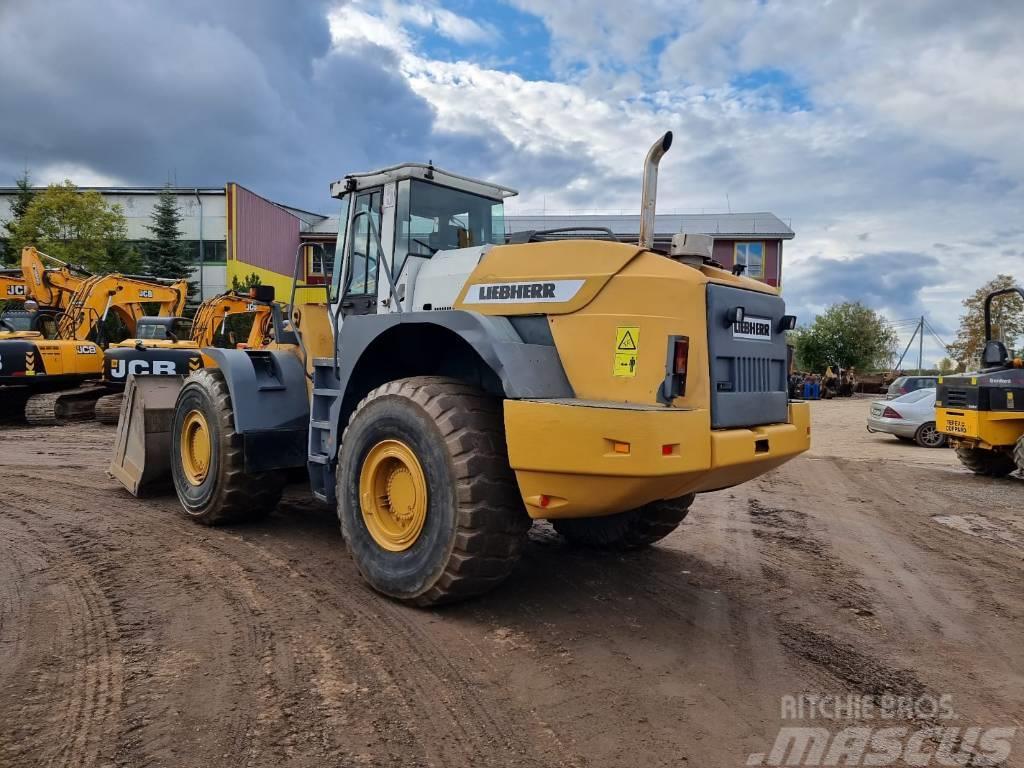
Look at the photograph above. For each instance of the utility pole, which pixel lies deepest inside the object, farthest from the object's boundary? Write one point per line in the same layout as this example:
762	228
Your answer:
920	346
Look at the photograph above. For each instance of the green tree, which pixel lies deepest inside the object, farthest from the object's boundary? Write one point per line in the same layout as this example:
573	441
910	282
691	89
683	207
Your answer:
19	207
77	227
166	254
945	366
847	335
251	280
1007	321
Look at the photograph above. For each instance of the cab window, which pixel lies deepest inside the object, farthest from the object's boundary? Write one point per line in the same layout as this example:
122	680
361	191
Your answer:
431	218
365	254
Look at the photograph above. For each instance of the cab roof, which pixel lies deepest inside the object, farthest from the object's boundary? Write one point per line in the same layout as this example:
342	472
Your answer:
353	182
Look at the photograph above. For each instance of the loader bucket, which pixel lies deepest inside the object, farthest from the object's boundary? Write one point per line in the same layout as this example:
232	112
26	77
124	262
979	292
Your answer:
141	461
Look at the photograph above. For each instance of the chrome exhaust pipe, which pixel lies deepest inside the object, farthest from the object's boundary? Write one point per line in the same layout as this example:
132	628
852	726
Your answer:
650	196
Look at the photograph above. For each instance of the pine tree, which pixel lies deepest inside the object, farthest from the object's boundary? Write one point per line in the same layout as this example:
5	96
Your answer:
19	206
166	254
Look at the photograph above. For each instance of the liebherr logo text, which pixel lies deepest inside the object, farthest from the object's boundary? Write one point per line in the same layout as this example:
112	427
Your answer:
752	328
517	291
522	293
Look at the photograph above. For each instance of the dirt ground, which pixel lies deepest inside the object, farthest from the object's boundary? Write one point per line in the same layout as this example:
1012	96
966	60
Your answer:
131	637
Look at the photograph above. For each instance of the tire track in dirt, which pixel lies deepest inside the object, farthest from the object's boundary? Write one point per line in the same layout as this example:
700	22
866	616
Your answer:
76	728
417	667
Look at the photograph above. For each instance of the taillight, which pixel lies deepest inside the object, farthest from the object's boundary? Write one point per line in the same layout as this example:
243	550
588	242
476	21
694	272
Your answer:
681	355
889	413
675	368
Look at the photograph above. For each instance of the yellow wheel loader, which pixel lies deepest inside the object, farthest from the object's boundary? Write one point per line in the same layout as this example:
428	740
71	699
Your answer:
452	388
983	412
41	369
172	346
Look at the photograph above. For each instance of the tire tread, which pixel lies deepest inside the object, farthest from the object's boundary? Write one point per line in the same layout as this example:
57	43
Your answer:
491	521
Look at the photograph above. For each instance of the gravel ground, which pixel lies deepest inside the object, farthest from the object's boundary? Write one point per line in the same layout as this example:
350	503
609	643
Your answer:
131	637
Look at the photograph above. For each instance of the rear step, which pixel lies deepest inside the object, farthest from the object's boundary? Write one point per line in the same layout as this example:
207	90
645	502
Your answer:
322	434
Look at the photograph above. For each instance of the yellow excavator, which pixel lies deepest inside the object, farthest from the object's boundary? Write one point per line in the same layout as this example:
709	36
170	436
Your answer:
41	369
12	285
43	286
454	386
172	346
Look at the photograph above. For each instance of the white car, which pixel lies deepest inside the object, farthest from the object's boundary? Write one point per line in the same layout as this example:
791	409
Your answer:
909	417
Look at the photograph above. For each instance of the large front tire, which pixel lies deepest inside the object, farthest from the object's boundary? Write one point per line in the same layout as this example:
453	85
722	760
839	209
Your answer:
632	529
207	458
428	504
983	462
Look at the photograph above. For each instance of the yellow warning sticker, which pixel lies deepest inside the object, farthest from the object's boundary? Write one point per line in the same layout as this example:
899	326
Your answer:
627	350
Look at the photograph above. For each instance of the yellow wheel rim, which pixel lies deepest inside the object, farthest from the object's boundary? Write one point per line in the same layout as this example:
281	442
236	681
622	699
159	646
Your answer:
393	495
195	447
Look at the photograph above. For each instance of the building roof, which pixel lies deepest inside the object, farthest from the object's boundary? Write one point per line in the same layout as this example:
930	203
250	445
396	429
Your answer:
128	190
722	225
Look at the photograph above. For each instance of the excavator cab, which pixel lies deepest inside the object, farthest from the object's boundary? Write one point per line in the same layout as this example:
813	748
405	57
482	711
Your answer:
172	329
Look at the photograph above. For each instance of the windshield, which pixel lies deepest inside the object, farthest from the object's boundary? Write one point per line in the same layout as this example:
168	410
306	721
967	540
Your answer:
915	396
16	321
182	329
432	218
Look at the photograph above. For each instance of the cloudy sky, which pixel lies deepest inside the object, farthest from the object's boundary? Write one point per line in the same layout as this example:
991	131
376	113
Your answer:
887	133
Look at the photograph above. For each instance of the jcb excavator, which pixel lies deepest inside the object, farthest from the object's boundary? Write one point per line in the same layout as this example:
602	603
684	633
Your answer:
170	346
43	291
453	388
40	371
12	285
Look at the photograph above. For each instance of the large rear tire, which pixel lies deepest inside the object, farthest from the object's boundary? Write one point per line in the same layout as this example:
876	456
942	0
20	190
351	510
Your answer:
428	504
207	459
983	462
1018	453
632	529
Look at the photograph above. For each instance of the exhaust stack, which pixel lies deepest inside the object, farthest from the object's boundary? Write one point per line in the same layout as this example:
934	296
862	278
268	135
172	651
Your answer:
649	201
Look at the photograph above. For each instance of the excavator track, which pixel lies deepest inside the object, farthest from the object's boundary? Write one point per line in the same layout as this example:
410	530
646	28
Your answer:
108	408
55	408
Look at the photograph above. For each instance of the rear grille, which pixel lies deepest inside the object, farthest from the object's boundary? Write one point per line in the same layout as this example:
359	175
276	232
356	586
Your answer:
748	373
956	398
753	374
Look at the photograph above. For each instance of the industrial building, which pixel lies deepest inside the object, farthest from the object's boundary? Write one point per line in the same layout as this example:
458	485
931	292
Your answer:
233	232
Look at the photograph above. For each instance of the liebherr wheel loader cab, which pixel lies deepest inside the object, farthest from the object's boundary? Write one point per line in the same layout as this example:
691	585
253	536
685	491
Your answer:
459	387
983	412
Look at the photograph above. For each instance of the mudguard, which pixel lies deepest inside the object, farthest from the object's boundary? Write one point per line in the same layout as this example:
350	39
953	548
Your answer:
271	405
526	370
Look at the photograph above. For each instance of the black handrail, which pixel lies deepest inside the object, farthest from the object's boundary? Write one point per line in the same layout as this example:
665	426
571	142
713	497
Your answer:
988	307
527	235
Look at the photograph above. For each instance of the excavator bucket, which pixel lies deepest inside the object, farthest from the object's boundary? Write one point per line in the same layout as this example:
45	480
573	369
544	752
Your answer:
141	461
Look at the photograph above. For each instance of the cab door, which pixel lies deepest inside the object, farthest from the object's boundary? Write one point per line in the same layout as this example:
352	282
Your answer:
359	295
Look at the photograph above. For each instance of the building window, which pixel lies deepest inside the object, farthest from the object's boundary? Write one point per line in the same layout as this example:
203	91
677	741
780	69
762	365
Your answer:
750	255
